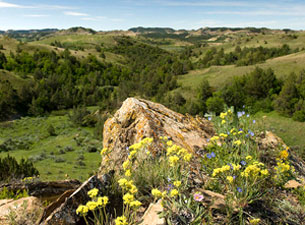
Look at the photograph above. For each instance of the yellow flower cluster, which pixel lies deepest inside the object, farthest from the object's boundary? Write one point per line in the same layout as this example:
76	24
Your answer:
93	192
128	185
82	209
176	153
223	115
220	170
128	198
214	138
102	201
92	205
156	193
230	179
255	221
223	135
137	146
121	220
174	193
282	167
238	143
177	183
105	151
254	170
284	154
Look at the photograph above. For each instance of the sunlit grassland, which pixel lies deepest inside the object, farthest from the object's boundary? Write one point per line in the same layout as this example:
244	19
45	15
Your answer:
57	163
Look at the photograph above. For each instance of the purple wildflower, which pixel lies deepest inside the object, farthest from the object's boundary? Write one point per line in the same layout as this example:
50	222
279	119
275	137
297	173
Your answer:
209	118
198	197
248	115
243	163
231	166
213	154
239	114
234	177
239	189
254	121
209	155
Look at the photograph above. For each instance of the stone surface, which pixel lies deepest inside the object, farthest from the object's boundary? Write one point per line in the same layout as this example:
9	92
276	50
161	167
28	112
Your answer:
213	200
24	211
151	216
292	184
65	213
45	190
138	118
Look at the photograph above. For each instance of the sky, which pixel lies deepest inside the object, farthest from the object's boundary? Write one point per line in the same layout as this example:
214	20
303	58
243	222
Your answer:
104	15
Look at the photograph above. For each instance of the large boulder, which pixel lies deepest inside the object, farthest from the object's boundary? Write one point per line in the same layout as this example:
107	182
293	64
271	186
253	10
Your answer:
138	118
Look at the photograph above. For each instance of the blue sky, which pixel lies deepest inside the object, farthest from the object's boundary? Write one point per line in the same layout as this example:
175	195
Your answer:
124	14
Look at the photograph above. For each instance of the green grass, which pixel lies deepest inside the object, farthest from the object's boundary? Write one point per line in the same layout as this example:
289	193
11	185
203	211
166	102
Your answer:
219	75
292	132
34	131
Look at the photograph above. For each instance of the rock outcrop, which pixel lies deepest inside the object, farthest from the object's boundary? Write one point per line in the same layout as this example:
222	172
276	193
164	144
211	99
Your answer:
138	118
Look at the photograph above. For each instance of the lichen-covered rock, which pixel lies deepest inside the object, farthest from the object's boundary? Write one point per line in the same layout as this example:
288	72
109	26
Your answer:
138	118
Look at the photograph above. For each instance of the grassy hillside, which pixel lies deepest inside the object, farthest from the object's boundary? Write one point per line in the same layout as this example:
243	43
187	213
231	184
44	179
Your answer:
292	132
219	75
56	157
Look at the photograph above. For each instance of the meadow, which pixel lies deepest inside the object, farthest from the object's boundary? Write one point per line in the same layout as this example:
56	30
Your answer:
72	152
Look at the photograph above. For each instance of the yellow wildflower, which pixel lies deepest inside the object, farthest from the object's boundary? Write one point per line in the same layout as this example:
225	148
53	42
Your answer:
102	201
128	198
214	138
169	143
122	182
240	132
82	209
132	153
265	172
121	220
127	173
126	164
174	193
91	205
177	183
104	151
93	192
238	142
173	160
187	157
133	189
230	179
223	115
223	135
249	157
135	204
223	122
284	154
255	221
156	193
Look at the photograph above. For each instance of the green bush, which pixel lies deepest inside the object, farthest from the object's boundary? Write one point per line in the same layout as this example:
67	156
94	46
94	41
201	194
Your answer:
215	104
299	116
15	170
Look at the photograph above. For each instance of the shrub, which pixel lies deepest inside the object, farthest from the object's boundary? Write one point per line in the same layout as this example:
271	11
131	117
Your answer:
299	116
15	170
215	104
51	130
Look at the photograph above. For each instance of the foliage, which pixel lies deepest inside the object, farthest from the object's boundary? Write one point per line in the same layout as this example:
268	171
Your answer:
15	170
7	194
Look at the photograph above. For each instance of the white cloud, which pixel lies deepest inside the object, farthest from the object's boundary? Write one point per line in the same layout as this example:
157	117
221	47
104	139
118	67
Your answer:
70	13
9	5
